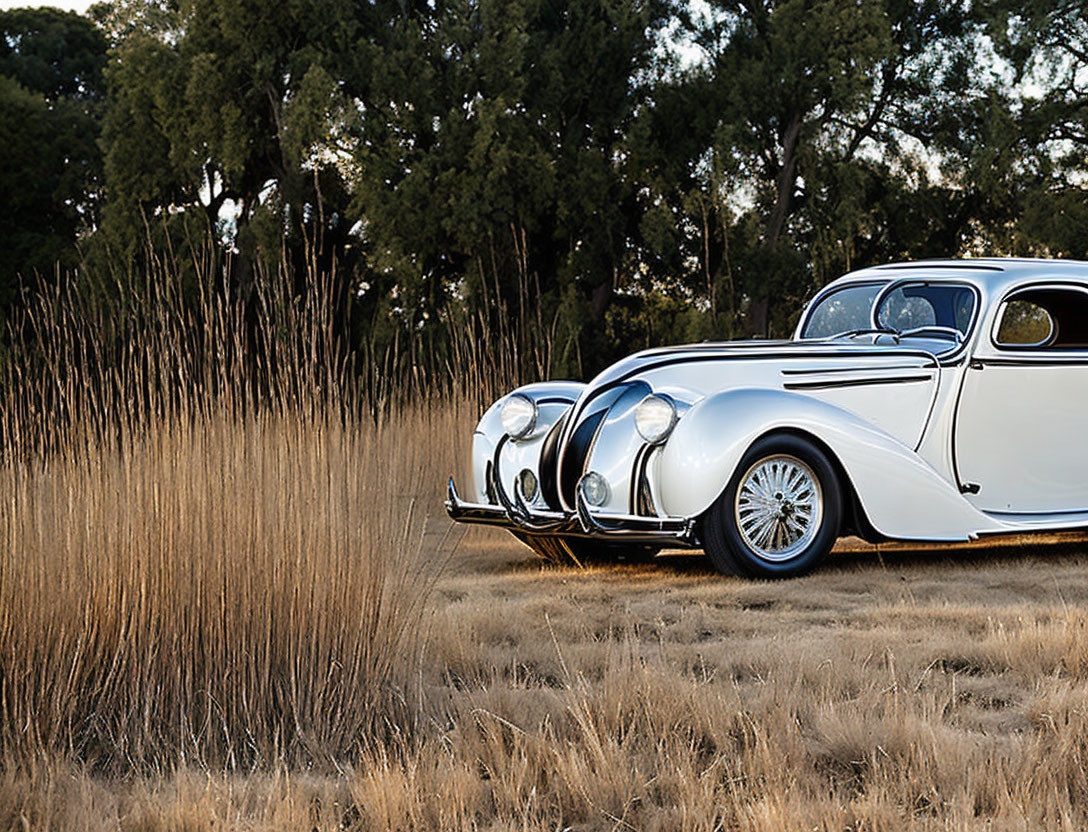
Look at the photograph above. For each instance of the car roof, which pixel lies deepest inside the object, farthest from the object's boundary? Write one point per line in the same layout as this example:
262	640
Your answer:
991	274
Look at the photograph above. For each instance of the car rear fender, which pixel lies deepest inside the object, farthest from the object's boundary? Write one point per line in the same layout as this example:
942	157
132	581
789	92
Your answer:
901	494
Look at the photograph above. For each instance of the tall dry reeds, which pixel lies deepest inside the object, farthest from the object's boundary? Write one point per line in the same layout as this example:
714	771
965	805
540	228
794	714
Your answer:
212	549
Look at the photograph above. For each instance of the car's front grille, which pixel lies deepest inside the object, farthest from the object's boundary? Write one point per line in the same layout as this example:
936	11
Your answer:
641	498
570	457
549	465
576	453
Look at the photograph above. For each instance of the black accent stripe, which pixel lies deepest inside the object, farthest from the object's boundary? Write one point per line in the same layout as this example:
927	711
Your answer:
577	412
856	382
489	485
690	359
638	475
812	371
1032	362
554	400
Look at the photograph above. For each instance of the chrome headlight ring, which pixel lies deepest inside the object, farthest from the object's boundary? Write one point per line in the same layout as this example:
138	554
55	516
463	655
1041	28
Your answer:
518	416
655	417
595	489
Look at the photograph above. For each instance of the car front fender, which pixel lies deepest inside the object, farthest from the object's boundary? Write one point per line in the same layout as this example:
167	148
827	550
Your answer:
901	494
553	398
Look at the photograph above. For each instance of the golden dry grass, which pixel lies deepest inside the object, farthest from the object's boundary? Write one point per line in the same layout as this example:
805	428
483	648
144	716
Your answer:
909	690
216	615
231	591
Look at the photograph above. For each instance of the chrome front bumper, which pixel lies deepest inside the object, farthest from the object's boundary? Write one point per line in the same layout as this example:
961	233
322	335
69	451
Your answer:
515	515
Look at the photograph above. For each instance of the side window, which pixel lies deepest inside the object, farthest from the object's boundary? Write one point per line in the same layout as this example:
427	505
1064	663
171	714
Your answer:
1044	318
922	304
902	311
964	309
1024	324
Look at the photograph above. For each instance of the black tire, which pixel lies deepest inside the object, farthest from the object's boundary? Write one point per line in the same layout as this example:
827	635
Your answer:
773	460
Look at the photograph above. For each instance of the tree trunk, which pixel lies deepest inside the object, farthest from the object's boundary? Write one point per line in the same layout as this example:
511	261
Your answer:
785	181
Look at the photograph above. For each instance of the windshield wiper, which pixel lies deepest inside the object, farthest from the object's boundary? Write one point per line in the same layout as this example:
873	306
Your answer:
956	335
854	333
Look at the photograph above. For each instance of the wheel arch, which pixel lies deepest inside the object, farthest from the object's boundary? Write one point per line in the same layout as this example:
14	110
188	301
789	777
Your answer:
878	473
854	519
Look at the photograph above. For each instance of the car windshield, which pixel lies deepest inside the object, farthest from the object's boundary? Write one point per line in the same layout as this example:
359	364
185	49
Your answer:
928	309
845	310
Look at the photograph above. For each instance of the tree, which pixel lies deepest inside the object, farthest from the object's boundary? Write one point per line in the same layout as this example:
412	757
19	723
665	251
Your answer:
493	168
827	111
546	173
50	92
229	111
1041	179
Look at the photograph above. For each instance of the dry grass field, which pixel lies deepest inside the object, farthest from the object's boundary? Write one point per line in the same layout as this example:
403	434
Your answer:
218	615
892	690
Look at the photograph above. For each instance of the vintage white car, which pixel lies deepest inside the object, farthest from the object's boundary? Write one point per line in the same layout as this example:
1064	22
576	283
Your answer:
935	401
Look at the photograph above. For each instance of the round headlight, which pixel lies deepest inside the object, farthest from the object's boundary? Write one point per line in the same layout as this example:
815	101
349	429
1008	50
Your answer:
655	417
595	489
518	416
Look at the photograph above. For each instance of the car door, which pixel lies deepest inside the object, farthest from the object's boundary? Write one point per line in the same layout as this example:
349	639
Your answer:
1021	432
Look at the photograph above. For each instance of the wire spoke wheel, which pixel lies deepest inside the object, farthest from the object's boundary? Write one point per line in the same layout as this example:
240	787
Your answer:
780	513
779	507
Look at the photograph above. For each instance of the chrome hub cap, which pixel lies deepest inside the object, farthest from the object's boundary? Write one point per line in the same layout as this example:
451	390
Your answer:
779	507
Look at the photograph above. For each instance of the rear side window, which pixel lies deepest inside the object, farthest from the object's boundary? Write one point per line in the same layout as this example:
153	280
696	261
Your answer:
1024	324
1044	318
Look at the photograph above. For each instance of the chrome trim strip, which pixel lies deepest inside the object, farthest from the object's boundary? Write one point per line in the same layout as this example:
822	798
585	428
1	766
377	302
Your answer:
735	346
516	511
463	512
1036	515
939	264
581	524
633	527
1025	361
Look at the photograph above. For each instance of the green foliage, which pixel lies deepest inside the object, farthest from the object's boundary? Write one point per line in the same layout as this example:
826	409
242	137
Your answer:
50	85
1044	128
827	109
547	174
53	53
216	103
493	166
